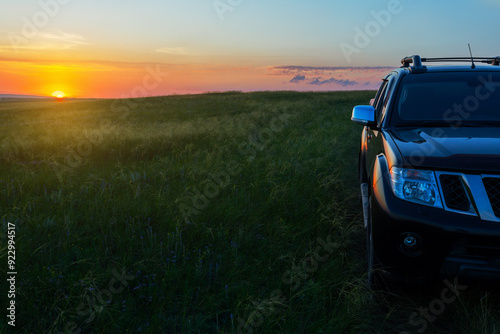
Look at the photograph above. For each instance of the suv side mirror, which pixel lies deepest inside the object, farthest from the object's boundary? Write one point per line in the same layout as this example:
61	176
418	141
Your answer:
364	115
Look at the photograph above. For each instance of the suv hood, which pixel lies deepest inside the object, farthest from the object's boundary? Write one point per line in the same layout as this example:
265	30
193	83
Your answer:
446	148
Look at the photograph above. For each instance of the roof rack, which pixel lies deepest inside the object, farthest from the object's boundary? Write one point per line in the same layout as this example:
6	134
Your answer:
486	60
417	64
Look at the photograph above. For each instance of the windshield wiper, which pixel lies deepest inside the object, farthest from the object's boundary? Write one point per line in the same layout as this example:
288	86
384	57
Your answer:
425	124
454	124
479	124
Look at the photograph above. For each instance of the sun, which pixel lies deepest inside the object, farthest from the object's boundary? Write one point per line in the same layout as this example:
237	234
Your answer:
58	95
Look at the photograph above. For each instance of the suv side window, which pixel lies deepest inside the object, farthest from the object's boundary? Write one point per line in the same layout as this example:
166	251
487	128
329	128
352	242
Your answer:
380	93
379	99
384	101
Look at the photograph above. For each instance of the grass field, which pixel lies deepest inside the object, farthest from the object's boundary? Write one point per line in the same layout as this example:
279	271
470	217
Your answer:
217	213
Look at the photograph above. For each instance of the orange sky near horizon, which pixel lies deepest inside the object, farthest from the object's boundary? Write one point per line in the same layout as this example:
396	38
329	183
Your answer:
115	79
73	78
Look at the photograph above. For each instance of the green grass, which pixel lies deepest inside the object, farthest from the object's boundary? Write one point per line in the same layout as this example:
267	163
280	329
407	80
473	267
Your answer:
215	207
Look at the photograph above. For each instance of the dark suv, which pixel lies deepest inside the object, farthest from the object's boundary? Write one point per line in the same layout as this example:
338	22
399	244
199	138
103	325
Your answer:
429	170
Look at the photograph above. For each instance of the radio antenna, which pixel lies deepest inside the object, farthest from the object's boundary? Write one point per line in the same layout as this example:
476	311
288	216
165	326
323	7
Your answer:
471	58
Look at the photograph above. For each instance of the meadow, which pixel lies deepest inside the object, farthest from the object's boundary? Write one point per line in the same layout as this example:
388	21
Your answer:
216	213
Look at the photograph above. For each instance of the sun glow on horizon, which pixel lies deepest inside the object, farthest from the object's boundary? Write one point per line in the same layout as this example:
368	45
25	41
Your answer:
58	95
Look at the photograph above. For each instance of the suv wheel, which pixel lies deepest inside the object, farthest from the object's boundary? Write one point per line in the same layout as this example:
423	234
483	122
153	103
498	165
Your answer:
370	253
378	276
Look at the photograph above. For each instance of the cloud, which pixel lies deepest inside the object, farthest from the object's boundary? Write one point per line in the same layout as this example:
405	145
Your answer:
322	70
175	51
65	37
54	40
343	83
330	77
325	68
298	78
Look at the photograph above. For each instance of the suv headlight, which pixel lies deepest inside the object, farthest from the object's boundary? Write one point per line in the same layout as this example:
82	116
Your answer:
418	186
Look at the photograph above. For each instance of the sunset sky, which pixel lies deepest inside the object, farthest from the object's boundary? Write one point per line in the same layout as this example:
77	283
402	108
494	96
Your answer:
115	48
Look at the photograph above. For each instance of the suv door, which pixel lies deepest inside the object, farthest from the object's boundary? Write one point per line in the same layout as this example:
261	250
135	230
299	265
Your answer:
371	141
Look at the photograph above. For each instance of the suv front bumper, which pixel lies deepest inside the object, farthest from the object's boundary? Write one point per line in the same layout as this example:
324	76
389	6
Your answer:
451	244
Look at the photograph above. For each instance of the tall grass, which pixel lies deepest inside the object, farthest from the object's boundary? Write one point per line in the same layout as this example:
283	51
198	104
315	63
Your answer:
281	173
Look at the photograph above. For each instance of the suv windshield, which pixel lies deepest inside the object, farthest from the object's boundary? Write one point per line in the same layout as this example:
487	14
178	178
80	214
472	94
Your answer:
448	98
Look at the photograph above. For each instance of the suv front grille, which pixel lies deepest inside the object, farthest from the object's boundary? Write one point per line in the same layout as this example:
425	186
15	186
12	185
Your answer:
454	192
486	247
492	186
